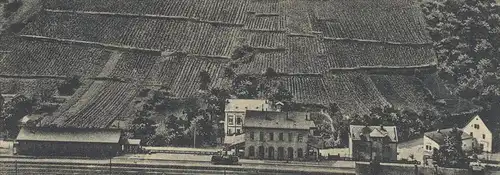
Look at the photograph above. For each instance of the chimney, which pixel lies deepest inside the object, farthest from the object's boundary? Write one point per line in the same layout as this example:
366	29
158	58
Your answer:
307	117
382	127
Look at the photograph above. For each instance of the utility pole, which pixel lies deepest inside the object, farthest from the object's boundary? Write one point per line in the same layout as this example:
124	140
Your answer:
194	138
110	165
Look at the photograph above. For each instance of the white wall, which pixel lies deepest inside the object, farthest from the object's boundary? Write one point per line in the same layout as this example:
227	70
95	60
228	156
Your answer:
429	143
478	133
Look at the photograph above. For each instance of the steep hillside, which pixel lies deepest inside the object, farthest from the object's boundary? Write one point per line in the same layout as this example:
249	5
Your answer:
356	53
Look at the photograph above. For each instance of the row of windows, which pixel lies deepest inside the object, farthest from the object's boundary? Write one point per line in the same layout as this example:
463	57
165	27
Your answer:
472	134
230	120
281	137
428	147
271	152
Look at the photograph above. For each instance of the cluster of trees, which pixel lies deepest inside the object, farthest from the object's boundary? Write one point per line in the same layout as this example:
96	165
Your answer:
451	154
18	107
466	36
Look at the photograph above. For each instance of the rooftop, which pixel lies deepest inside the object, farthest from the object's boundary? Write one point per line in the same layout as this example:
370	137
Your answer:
357	131
439	135
241	105
278	120
67	135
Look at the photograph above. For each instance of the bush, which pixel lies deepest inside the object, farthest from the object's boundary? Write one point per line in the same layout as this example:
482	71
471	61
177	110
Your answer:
10	8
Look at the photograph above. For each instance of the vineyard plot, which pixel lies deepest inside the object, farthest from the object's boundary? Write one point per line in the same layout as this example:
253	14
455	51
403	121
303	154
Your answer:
354	93
388	20
353	54
52	59
134	66
405	92
145	33
102	103
29	87
229	11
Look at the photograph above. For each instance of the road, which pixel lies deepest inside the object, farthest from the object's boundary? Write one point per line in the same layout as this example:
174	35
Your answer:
74	166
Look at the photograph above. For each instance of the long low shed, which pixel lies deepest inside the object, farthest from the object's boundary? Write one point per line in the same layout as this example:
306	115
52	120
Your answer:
68	142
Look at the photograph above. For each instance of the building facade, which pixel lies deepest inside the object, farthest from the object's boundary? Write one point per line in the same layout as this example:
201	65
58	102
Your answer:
235	113
277	135
373	142
68	142
477	128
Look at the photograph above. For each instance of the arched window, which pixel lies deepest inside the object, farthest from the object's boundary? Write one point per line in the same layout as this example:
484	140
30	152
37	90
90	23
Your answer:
251	151
300	153
281	153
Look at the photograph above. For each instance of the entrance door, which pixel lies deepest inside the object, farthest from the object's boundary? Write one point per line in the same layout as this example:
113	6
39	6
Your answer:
290	153
281	153
270	154
261	152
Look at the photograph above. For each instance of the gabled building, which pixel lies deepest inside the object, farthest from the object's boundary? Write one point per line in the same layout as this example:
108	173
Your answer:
436	139
278	135
483	132
235	113
373	142
69	142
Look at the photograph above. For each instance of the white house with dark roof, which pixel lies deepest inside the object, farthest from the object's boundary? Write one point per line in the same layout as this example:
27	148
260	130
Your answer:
373	142
478	129
436	139
235	113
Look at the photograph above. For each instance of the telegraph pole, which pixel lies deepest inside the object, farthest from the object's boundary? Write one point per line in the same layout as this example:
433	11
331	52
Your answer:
194	138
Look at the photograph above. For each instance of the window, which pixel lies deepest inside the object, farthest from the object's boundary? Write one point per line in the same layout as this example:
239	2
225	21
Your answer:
271	136
252	137
230	120
472	134
481	146
261	136
484	136
238	131
476	126
290	137
229	131
299	138
238	120
280	137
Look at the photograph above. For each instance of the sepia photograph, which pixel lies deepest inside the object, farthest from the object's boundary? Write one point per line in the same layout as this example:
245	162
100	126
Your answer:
250	87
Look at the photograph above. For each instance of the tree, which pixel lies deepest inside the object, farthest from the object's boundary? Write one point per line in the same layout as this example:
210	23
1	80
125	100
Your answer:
466	36
451	154
143	127
204	80
69	86
13	111
173	134
202	127
245	87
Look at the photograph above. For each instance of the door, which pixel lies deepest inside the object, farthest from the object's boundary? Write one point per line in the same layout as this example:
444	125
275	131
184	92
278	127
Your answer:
261	152
270	154
281	153
290	153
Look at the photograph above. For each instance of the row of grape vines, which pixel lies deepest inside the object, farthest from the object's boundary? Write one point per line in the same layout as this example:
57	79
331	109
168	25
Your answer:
133	66
229	11
353	54
29	87
266	40
102	103
191	37
42	58
356	20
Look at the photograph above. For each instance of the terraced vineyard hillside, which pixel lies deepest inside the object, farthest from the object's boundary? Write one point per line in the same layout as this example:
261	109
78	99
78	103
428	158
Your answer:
359	54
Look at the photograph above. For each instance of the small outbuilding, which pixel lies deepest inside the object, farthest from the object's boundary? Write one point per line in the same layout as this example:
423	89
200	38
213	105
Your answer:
68	142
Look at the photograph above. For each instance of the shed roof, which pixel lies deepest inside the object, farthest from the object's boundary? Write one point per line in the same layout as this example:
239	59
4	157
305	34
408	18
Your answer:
439	135
242	105
356	131
69	135
280	120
